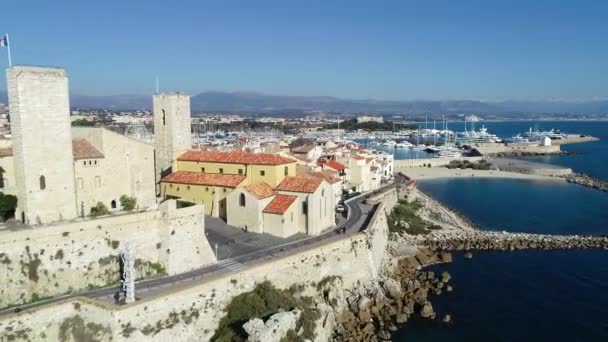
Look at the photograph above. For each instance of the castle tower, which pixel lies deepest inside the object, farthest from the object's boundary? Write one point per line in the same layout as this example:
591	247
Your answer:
172	133
42	144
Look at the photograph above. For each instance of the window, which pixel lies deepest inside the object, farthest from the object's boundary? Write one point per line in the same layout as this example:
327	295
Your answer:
96	162
323	193
164	117
221	170
242	200
202	169
80	183
286	170
113	204
84	163
188	187
224	189
292	216
206	188
304	208
42	183
240	171
262	172
90	162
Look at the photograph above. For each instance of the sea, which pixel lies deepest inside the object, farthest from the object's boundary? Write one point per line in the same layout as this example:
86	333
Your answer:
526	295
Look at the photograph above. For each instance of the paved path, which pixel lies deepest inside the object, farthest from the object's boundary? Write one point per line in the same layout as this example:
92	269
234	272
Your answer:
358	212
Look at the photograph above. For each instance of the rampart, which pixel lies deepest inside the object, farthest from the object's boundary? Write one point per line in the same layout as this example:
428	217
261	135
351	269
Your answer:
83	254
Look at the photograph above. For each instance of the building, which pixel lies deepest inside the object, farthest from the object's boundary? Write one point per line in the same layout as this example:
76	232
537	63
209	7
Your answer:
172	131
207	177
100	165
42	144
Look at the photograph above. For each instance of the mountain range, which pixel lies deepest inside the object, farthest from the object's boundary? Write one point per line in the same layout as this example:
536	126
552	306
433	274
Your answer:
257	103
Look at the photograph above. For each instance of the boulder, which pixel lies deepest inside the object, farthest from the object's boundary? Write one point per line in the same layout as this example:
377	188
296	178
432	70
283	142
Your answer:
468	255
447	319
392	288
445	277
427	311
274	329
449	288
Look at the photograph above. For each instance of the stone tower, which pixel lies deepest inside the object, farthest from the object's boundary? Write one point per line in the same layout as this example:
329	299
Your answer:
42	144
171	130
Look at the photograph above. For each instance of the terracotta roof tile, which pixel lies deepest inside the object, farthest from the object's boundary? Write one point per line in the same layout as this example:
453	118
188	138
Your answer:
260	190
329	176
357	157
280	204
197	178
82	149
235	157
335	165
302	183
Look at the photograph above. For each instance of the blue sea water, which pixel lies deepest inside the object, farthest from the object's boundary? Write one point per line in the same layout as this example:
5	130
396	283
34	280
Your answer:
527	295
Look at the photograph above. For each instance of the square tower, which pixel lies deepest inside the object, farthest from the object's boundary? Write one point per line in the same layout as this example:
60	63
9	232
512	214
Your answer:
172	132
42	144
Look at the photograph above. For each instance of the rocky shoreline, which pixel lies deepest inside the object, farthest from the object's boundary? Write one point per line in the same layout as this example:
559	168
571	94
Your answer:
588	181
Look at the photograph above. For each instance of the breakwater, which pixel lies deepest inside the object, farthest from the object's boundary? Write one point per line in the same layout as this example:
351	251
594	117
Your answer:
504	241
588	181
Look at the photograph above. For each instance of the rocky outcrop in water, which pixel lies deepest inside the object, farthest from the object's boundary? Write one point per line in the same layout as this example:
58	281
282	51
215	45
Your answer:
504	241
588	181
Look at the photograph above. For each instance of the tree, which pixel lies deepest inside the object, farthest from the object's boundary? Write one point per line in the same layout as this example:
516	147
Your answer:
8	204
99	209
127	202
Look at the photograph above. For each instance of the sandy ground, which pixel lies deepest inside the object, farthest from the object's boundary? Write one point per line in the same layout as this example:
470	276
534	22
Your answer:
442	172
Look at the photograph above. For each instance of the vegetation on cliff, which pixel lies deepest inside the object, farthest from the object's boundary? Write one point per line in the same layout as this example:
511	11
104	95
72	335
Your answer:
460	164
404	218
263	301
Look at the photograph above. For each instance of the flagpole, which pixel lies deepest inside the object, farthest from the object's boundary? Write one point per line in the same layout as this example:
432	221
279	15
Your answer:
8	46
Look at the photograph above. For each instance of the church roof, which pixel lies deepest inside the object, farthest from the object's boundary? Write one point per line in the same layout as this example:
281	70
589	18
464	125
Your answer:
303	183
280	204
211	179
260	190
235	157
82	149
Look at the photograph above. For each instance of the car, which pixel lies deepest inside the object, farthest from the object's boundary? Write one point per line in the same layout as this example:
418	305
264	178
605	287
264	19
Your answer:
340	208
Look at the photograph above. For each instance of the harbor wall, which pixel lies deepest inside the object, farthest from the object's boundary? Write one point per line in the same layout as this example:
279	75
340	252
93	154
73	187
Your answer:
83	254
192	312
499	148
403	164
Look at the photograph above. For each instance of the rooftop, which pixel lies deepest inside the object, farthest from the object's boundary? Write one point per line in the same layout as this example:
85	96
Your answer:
197	178
260	190
335	165
280	204
82	149
235	157
303	183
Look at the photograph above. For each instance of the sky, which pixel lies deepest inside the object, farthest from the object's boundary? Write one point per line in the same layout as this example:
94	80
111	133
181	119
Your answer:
397	50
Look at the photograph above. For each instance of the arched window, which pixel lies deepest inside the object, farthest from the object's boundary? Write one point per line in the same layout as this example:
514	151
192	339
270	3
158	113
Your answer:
113	204
42	183
286	170
164	118
242	200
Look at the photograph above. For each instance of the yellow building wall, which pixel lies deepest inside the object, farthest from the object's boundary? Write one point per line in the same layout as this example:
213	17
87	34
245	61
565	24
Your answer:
273	174
199	194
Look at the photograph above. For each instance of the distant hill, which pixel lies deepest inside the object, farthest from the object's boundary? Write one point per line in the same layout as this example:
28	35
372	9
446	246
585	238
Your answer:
251	103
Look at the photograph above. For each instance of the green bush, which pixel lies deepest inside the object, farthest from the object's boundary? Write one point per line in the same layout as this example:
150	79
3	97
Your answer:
8	203
263	301
127	203
408	212
99	209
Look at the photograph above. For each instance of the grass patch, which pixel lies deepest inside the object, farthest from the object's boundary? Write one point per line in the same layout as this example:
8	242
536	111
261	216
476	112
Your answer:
262	302
405	219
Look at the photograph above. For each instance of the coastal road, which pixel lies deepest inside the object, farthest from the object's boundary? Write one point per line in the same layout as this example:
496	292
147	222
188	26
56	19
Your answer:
358	215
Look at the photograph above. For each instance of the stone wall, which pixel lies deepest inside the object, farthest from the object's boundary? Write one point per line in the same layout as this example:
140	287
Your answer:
404	164
192	312
56	259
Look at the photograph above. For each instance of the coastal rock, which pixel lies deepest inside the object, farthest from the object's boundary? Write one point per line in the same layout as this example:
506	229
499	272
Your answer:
447	319
445	277
401	318
468	255
427	311
449	288
274	329
392	288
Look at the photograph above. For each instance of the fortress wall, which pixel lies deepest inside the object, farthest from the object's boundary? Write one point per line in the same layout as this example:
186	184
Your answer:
65	257
192	312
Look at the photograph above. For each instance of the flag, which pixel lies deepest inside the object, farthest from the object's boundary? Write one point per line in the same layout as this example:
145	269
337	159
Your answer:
4	41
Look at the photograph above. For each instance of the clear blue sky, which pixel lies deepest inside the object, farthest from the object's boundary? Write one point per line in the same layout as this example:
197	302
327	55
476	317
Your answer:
375	49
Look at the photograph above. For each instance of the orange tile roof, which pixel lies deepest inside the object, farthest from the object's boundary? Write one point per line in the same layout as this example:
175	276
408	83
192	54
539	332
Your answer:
280	204
260	190
357	157
197	178
328	175
235	157
335	165
82	149
302	183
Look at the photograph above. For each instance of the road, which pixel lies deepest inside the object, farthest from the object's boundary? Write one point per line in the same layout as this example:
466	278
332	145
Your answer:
358	214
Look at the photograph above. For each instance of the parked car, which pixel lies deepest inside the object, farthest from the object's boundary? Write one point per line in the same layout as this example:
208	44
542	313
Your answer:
340	208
